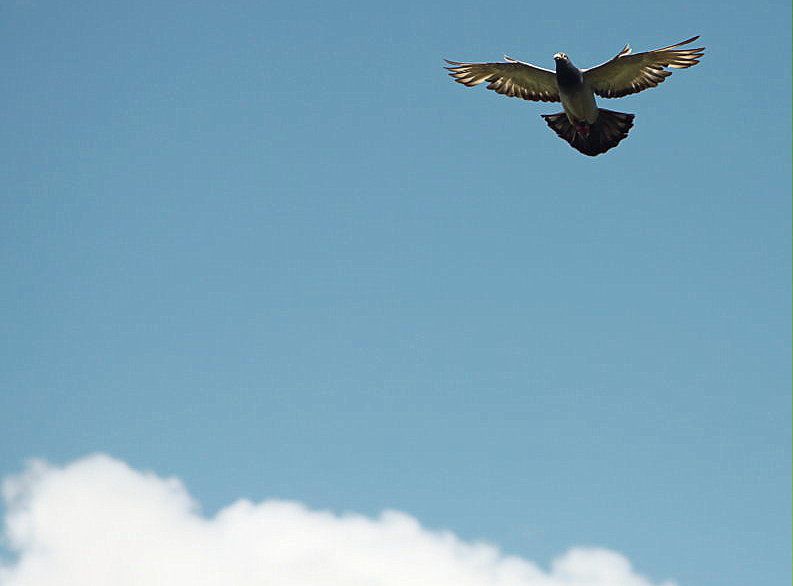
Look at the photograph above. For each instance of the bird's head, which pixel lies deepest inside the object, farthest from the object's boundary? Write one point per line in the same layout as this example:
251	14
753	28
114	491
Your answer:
560	57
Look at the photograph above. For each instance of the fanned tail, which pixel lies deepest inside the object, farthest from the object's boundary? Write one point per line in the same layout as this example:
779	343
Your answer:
607	131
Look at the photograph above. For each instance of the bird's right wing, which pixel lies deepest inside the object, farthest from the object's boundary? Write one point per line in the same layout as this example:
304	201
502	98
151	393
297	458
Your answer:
511	78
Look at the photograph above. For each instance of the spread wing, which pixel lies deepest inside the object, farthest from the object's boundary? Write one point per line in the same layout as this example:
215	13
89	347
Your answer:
628	73
511	78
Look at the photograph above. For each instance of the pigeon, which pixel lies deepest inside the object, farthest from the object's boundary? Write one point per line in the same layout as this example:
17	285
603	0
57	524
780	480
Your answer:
588	129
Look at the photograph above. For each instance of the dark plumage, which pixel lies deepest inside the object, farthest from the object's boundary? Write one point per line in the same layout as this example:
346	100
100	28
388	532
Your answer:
568	76
588	129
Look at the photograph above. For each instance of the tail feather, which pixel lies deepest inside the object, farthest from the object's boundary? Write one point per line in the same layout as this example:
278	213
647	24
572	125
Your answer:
607	131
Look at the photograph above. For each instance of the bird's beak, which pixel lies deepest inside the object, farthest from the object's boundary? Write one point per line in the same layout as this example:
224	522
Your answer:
557	56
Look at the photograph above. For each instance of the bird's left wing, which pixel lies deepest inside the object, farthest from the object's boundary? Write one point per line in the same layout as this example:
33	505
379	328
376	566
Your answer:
511	78
629	73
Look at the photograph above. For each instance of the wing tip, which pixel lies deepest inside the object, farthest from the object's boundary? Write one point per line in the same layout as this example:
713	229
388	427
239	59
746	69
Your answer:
686	42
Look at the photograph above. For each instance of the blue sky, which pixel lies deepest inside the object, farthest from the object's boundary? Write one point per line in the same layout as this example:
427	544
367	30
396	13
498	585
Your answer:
273	250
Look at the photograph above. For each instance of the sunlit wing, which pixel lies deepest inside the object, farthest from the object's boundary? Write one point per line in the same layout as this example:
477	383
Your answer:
629	73
511	78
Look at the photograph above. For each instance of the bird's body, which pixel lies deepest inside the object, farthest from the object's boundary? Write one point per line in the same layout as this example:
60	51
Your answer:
578	99
579	105
588	128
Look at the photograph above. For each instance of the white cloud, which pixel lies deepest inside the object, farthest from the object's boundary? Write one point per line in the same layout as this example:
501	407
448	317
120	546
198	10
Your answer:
97	522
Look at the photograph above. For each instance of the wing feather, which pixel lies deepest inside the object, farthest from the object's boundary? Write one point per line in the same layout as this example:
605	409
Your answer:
629	73
511	78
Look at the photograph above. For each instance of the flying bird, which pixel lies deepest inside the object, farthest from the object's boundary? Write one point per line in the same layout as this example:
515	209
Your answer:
588	129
